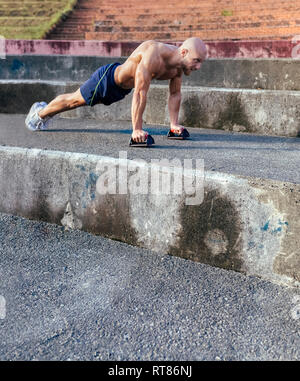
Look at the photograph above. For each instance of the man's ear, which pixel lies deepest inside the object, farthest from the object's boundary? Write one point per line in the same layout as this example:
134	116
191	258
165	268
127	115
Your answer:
183	52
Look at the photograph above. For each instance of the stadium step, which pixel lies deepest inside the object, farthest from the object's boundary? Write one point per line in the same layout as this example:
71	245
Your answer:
218	20
242	217
236	34
262	112
243	117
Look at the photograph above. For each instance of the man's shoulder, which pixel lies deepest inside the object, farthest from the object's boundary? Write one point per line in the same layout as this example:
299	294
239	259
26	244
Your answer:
152	44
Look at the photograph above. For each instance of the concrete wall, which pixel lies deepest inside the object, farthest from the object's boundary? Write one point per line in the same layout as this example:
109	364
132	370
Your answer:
216	49
256	111
242	224
270	74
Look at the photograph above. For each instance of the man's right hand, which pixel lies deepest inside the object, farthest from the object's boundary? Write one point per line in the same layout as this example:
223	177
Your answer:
139	136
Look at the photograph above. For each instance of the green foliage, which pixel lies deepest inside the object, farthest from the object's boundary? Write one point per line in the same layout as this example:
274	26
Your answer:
29	19
226	12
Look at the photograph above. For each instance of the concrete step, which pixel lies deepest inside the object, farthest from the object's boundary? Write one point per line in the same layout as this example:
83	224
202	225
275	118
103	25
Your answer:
180	19
183	17
266	74
171	14
217	34
151	6
70	27
78	22
234	50
267	11
100	284
265	112
161	29
133	22
276	20
262	112
242	215
134	25
194	26
73	36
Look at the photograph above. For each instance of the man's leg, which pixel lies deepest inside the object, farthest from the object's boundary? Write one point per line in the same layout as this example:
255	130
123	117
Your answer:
40	112
63	103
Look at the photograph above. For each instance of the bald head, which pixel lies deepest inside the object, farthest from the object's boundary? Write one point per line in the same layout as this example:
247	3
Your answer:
193	52
195	45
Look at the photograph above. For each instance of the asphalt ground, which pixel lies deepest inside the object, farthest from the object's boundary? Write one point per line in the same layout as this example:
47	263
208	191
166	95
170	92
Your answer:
244	154
69	295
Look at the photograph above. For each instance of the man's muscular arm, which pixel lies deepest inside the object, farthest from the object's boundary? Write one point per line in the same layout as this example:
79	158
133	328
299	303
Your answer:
174	102
142	84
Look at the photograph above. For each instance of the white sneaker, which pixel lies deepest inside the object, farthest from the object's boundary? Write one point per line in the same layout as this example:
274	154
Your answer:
33	121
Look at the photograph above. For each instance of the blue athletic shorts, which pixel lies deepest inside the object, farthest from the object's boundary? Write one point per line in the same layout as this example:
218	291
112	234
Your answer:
101	87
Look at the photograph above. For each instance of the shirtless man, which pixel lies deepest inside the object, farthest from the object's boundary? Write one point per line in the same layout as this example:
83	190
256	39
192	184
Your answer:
110	83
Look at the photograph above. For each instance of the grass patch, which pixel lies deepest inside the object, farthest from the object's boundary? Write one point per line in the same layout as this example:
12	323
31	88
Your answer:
226	12
31	20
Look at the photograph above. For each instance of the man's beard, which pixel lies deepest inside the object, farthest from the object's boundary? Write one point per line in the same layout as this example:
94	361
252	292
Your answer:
186	71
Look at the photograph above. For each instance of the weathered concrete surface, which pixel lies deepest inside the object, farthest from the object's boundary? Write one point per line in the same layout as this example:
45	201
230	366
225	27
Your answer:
70	295
18	96
269	74
247	49
266	112
263	112
243	224
249	155
64	68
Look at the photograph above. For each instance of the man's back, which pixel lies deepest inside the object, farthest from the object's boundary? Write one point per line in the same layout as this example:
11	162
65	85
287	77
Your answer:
155	57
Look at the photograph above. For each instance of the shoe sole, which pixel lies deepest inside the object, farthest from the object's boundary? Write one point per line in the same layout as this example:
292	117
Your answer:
33	109
29	116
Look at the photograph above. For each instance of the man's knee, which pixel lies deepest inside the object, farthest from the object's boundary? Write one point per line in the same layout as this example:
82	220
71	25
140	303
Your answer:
75	99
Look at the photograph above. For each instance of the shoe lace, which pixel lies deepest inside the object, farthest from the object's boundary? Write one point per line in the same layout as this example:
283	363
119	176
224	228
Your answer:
39	124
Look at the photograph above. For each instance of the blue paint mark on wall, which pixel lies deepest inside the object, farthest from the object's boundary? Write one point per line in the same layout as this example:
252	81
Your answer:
90	184
251	245
265	227
276	230
93	177
16	64
82	168
283	223
91	180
